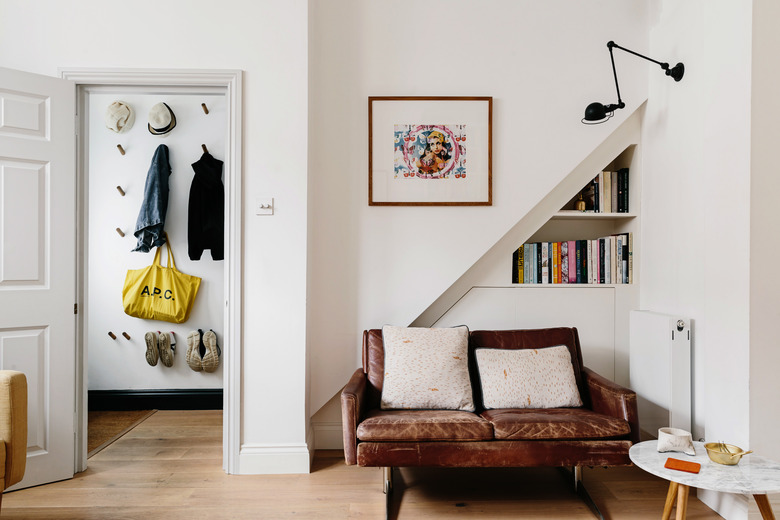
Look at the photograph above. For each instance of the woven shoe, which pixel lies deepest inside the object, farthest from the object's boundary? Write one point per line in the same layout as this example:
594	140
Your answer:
193	357
211	358
152	353
167	347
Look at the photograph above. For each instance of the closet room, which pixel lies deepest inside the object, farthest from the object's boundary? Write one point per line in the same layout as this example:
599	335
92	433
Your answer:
154	161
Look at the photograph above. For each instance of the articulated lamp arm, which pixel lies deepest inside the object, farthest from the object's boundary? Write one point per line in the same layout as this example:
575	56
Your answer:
598	112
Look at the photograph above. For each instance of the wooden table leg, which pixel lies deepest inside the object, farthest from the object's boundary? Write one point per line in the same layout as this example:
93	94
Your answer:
670	496
764	507
682	501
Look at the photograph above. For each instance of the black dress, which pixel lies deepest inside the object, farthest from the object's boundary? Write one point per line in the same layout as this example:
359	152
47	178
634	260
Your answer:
206	225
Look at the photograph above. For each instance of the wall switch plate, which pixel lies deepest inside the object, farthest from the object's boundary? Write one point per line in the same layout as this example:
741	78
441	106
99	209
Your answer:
264	206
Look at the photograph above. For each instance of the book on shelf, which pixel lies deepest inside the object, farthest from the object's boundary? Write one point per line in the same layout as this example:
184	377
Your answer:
607	192
604	260
538	253
518	268
602	257
614	201
572	252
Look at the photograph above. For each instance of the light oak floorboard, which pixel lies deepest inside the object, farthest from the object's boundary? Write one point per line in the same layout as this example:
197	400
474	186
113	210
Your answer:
170	467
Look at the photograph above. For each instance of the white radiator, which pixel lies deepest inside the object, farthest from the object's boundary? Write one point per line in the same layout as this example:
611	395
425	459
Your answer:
660	370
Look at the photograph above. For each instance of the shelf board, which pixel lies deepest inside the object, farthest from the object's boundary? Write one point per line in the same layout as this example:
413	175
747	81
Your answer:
571	214
563	285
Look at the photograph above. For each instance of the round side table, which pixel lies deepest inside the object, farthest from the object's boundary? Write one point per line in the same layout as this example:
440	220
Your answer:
754	475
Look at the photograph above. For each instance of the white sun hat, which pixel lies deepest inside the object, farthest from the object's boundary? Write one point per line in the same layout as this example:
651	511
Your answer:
119	117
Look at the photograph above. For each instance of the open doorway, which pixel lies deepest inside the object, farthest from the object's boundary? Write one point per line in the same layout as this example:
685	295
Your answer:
113	363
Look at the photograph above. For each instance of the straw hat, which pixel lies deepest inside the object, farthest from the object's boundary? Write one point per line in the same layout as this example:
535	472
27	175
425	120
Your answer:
161	119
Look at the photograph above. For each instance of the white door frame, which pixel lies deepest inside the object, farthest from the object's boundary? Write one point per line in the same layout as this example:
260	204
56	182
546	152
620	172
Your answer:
232	81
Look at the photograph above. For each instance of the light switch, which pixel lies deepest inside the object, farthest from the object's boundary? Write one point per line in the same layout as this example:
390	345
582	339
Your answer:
264	206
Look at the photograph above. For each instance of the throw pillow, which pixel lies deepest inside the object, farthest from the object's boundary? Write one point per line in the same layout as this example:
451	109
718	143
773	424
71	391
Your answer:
527	378
426	368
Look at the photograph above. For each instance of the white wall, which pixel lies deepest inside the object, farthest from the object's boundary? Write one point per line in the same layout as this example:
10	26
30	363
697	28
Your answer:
696	205
696	199
269	41
385	265
764	225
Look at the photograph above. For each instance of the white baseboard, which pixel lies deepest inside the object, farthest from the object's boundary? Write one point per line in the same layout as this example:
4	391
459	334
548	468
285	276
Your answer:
328	435
274	459
731	506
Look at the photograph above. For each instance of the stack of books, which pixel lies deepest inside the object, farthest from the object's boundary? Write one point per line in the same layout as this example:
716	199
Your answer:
606	260
608	192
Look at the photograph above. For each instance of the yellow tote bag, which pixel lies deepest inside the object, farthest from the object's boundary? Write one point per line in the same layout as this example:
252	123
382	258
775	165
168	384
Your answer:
160	293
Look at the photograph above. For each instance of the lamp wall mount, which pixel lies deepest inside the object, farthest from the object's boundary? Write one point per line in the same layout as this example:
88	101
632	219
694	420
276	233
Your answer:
598	112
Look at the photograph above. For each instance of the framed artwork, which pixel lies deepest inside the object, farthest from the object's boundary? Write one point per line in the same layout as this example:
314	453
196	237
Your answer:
430	151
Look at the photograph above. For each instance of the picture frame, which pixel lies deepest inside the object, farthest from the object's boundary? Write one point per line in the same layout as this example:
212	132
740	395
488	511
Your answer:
430	151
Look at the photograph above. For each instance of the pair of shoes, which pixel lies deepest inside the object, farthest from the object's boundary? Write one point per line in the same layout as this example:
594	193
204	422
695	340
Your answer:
160	345
202	351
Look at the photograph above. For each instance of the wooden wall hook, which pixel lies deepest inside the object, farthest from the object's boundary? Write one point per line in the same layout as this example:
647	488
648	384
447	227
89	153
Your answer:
121	233
113	336
126	335
121	150
205	110
120	190
205	150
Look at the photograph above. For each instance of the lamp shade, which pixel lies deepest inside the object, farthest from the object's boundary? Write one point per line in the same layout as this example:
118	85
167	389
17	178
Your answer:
595	113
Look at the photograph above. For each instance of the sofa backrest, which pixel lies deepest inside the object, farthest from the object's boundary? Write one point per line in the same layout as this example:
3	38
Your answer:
374	354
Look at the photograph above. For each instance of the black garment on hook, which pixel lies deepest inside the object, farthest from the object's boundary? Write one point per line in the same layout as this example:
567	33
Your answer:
206	225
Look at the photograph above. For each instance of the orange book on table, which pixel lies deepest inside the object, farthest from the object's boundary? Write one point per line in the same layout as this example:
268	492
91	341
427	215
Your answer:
682	465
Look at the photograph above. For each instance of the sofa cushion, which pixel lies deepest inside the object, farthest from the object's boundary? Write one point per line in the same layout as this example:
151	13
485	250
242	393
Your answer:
423	425
426	368
555	423
527	378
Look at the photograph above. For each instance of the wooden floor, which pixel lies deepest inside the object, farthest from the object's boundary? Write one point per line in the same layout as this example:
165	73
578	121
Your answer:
170	467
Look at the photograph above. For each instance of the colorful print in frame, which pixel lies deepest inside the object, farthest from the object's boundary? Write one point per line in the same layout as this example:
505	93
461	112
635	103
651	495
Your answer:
430	151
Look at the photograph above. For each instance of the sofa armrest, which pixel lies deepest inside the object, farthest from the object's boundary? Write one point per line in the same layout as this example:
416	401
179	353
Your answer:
352	398
609	398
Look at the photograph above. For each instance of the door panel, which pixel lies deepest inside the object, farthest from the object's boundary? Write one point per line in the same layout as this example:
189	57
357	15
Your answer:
37	262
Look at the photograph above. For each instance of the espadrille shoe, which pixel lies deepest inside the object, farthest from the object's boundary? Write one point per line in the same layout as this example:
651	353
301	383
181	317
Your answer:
193	357
167	347
211	357
152	353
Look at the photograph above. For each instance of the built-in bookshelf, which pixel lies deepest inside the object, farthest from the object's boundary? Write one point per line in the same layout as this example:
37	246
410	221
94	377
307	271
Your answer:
592	239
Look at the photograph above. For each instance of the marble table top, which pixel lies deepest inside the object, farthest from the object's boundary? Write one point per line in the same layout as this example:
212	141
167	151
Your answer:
754	475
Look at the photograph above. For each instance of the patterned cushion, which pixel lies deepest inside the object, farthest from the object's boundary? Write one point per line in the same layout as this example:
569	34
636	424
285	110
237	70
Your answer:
527	378
426	369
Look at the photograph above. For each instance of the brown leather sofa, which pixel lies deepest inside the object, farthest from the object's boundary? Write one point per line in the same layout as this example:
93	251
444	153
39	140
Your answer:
599	433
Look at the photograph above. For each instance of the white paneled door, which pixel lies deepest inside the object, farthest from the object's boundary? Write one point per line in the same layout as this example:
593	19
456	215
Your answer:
37	262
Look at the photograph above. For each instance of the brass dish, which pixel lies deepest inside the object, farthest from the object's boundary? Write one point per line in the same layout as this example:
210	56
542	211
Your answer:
727	454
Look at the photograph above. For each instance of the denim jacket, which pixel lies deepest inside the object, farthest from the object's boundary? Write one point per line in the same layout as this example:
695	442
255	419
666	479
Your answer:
151	218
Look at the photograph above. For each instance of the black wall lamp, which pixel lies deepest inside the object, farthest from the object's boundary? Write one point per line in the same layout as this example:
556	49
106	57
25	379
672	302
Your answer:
598	113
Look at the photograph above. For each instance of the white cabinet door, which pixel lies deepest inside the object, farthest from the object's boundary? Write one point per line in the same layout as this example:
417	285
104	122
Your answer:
37	262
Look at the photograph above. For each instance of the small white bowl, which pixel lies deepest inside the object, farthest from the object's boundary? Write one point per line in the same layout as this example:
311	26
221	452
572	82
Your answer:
675	439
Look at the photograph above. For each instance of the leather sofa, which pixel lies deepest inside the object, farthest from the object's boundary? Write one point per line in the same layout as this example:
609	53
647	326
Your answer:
599	433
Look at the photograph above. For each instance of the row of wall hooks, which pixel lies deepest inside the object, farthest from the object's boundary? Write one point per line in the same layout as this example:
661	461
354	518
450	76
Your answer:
122	150
113	336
